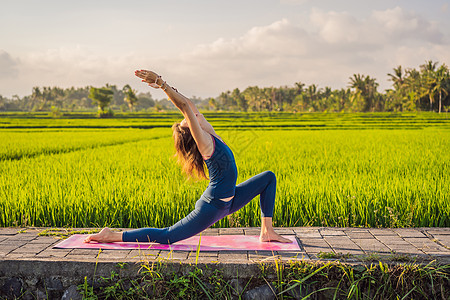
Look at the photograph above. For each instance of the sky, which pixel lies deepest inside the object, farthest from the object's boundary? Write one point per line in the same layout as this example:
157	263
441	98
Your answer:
205	47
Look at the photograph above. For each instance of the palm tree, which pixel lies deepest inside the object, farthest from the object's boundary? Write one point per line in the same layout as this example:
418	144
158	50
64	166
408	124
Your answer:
342	96
36	95
58	96
367	87
102	96
428	71
212	103
225	100
442	76
299	87
397	78
311	95
239	99
45	97
130	96
413	87
2	103
253	96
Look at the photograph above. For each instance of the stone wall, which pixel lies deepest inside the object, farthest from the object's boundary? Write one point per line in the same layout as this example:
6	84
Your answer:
34	279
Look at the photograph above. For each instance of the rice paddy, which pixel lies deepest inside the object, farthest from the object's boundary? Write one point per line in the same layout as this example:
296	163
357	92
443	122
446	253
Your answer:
368	170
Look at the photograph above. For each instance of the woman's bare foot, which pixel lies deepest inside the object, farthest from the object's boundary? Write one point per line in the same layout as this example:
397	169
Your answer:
273	237
105	236
268	234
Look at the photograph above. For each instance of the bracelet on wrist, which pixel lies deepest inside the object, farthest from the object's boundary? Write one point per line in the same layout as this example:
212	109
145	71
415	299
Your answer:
163	86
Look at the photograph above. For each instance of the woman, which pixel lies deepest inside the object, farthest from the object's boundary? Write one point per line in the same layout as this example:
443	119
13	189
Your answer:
197	144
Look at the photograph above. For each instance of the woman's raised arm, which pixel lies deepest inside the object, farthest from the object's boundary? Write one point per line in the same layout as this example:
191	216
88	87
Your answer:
154	80
187	108
189	102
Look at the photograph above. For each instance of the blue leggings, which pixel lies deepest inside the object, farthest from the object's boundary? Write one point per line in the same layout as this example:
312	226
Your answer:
207	213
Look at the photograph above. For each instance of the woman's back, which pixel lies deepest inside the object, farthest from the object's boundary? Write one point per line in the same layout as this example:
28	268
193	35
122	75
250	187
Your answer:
222	172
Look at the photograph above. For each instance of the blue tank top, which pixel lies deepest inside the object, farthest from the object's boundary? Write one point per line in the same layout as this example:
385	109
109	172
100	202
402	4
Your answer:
222	172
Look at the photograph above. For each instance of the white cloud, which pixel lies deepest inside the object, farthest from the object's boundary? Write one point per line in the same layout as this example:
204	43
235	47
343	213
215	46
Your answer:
327	51
333	47
444	7
257	57
293	2
76	64
398	24
336	28
8	65
65	67
258	44
391	26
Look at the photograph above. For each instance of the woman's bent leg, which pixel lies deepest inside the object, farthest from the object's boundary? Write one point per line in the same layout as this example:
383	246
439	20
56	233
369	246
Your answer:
263	184
203	216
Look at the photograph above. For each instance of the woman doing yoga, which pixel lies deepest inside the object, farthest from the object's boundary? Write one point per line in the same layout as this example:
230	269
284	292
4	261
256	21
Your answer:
197	144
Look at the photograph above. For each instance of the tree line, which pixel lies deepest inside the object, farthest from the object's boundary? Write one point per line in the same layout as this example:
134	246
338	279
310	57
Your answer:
80	99
426	88
423	89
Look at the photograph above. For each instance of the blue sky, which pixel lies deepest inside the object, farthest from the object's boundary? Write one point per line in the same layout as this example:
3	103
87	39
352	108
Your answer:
206	47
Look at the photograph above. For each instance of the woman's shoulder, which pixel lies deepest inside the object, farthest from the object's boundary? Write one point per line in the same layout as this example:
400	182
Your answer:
204	124
207	127
210	131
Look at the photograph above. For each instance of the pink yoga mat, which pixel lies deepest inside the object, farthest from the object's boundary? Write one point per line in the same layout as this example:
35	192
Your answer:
208	243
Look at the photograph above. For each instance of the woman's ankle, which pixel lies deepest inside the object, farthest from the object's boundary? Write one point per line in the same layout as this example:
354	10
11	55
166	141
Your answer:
266	225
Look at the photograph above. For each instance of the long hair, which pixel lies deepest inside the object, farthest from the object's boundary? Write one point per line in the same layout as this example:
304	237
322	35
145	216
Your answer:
187	153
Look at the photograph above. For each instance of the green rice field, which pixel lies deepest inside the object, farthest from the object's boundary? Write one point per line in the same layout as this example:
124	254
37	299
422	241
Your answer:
368	170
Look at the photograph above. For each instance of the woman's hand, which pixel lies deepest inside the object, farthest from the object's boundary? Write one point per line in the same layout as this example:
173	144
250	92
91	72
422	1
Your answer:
154	80
149	77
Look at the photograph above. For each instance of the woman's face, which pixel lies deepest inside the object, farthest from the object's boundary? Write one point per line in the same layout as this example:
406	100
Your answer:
184	123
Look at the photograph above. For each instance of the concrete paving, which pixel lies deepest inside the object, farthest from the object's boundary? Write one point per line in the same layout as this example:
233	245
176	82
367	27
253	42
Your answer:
351	245
29	265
